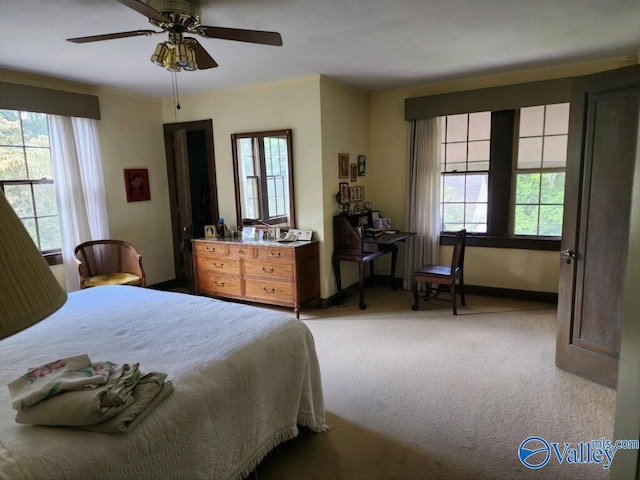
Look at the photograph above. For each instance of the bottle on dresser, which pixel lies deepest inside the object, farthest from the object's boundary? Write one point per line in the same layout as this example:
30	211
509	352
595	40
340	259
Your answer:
220	230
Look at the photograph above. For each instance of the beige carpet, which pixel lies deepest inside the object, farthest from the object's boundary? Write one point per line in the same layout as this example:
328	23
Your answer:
426	395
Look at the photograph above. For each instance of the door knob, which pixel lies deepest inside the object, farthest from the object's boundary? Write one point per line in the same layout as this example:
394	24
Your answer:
568	255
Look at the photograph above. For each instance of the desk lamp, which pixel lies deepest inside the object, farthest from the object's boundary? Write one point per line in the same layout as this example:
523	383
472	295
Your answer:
29	292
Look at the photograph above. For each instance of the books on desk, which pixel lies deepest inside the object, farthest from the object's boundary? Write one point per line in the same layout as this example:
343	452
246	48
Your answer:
372	232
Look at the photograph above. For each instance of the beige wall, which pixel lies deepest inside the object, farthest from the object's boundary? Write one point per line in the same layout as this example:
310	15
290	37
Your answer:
345	129
130	136
293	104
327	118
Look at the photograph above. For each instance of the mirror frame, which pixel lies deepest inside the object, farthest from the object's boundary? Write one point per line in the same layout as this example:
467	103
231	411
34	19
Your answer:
236	170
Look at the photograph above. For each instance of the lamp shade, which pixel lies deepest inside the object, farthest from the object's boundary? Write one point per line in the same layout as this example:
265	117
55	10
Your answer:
29	291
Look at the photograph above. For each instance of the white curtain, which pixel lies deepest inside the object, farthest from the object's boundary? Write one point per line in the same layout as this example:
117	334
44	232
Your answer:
80	190
423	194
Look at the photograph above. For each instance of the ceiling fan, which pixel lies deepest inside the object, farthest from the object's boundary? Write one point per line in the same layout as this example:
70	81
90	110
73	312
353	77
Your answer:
177	18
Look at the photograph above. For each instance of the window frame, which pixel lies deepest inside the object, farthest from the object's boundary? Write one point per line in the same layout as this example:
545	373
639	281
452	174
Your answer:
501	191
538	170
259	164
51	256
466	173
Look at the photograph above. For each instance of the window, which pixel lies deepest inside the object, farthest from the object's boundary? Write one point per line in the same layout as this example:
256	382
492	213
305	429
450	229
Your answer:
540	170
263	164
466	144
503	173
26	175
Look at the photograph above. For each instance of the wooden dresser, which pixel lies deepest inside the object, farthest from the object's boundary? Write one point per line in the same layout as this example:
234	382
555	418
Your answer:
275	273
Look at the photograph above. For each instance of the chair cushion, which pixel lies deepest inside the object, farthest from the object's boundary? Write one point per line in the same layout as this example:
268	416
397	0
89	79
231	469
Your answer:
442	270
113	279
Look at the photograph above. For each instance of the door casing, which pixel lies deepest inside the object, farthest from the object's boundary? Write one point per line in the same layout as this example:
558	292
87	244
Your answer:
204	128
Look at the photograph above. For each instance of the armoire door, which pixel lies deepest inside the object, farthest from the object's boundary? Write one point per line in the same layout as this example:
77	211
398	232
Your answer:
602	154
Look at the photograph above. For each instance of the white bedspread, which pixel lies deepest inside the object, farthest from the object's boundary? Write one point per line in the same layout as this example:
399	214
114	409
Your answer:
244	378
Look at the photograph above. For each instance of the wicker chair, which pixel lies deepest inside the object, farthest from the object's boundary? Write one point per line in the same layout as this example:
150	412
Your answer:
109	262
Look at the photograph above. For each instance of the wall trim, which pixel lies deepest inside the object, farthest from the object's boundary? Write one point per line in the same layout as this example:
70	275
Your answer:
512	293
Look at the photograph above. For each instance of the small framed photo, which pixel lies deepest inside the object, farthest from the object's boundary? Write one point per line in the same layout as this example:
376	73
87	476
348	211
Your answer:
362	165
343	165
210	231
249	233
353	194
354	172
344	192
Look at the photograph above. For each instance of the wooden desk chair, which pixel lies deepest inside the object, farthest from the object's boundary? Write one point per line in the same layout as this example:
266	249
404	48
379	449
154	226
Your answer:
443	274
109	262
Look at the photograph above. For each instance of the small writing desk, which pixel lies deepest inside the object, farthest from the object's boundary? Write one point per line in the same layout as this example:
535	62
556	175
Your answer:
349	246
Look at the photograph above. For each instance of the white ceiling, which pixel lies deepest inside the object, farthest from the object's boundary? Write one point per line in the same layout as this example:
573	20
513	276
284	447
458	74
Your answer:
372	44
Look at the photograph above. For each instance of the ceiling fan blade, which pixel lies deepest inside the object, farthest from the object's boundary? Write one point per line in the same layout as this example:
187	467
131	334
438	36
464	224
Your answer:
109	36
250	36
203	59
145	10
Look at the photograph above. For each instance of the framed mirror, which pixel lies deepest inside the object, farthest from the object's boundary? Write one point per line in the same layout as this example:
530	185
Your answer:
263	172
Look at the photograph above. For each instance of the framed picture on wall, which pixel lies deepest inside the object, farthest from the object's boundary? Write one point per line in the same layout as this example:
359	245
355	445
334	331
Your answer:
362	165
354	172
344	192
356	194
136	184
343	165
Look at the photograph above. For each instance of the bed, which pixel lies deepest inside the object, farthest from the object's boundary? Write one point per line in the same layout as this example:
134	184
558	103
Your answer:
244	379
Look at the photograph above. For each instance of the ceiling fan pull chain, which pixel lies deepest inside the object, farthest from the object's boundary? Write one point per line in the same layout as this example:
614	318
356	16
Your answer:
174	88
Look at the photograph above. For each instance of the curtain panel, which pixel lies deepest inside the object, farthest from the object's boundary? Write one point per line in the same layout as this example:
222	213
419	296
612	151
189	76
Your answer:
423	194
80	191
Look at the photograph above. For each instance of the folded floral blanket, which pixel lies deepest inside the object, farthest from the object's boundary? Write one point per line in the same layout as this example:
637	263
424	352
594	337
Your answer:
149	392
85	407
116	405
53	378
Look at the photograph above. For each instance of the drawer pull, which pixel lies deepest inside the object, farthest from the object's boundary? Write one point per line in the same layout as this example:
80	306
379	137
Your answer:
267	270
241	252
211	249
269	290
219	284
276	254
218	265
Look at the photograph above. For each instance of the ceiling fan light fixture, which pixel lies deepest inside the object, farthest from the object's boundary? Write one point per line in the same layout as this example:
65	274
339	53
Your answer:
160	55
170	61
185	57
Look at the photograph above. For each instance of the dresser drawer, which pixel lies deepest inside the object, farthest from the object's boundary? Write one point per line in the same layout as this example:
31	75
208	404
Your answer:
242	251
269	254
217	265
269	291
219	285
282	271
208	248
